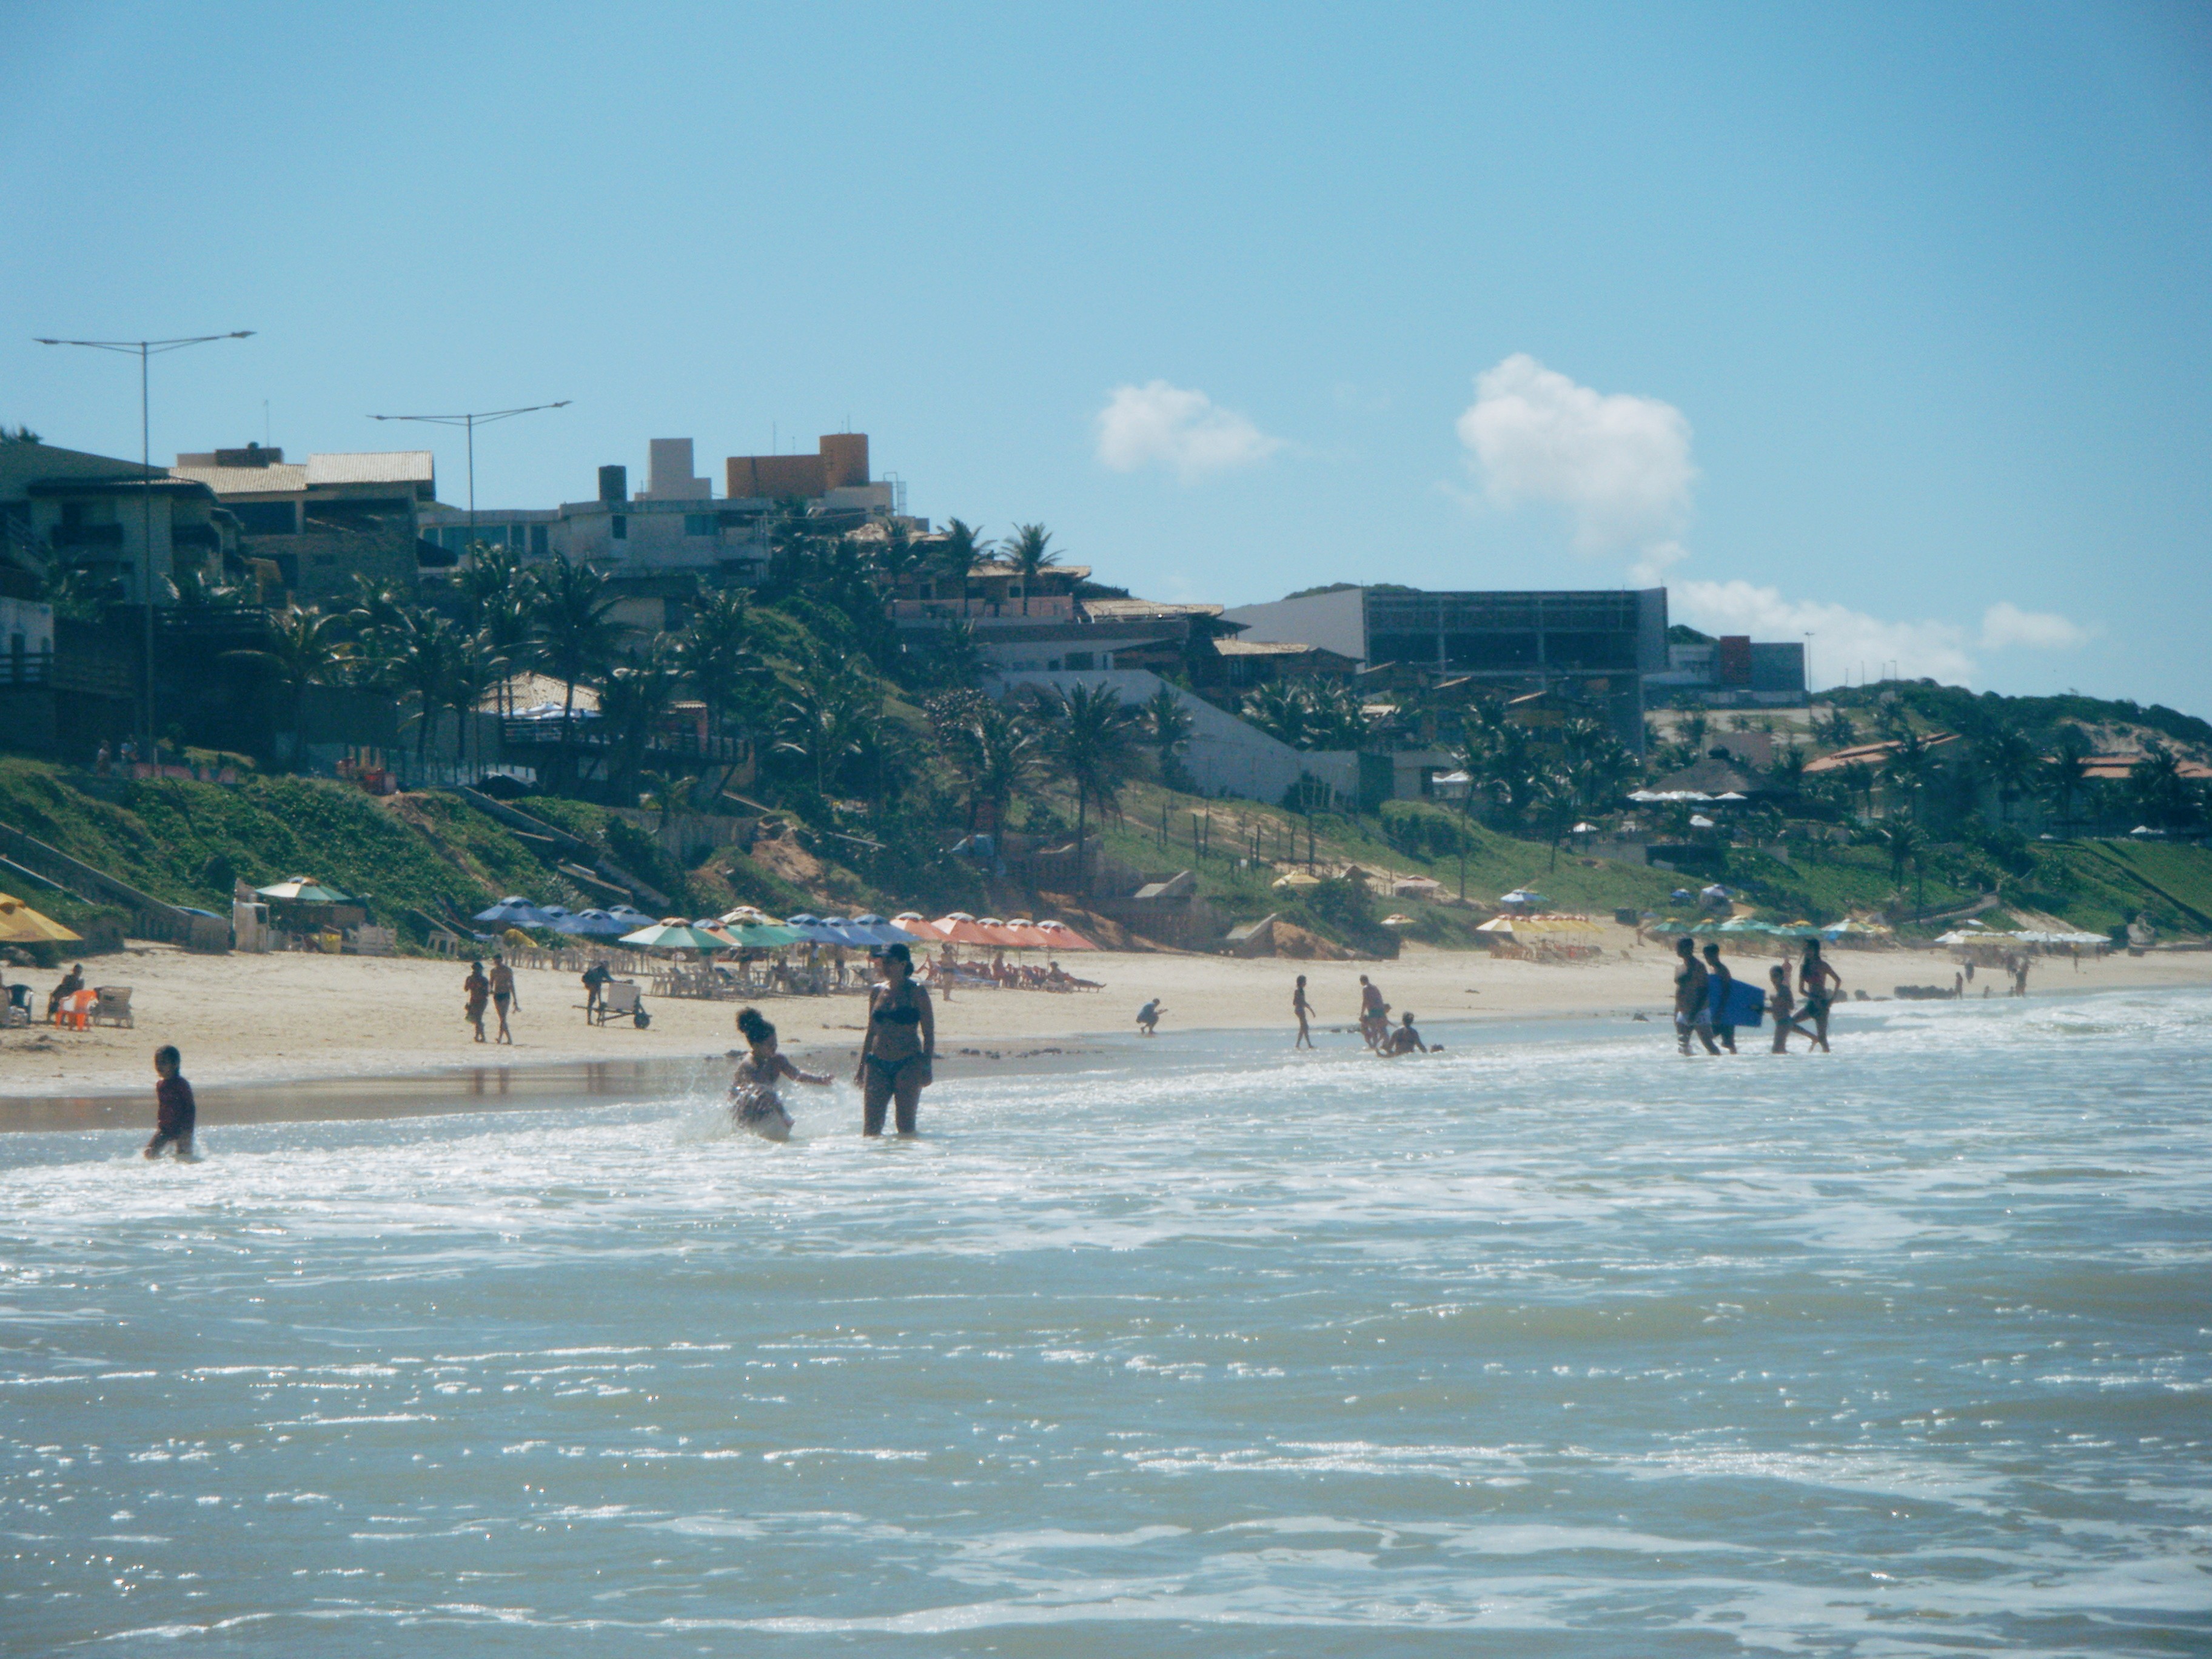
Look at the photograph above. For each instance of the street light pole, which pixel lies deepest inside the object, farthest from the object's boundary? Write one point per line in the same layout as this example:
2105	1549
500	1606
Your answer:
471	421
145	350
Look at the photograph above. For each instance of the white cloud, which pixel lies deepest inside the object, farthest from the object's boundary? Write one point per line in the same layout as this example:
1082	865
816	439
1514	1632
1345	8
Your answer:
2005	624
1179	427
1845	641
1620	464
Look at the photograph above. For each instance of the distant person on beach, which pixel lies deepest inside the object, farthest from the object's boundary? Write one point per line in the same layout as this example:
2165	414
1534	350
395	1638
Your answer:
1374	1013
754	1101
1720	985
475	993
900	1044
2020	976
1821	984
71	983
1970	971
1782	1005
595	984
174	1108
502	994
1148	1017
1691	1016
1302	1010
1405	1040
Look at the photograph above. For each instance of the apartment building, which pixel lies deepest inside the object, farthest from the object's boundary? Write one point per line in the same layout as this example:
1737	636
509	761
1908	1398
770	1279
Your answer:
322	522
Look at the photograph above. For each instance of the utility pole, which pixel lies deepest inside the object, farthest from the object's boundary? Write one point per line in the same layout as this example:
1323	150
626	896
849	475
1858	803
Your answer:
144	349
471	422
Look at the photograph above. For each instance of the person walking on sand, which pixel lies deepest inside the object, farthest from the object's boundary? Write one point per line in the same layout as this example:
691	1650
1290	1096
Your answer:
1302	1010
900	1043
1693	1017
595	985
1720	985
1819	983
1374	1013
175	1111
1148	1017
476	991
503	996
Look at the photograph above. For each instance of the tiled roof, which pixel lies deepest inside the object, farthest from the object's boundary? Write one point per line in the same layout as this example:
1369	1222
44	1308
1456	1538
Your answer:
247	480
372	467
1269	648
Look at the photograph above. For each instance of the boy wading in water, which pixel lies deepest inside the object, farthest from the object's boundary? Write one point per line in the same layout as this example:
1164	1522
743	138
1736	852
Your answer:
902	1040
1692	1017
1374	1013
1304	1011
1781	1005
174	1108
1819	983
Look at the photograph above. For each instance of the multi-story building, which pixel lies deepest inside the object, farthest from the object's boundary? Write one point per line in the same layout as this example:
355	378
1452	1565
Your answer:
1732	669
1593	647
325	522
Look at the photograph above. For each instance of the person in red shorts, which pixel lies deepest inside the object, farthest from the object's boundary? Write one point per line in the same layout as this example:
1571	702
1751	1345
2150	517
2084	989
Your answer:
174	1108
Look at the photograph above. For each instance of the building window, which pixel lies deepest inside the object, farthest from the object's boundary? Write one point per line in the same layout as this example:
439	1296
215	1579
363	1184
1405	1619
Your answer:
266	518
621	528
1079	661
701	524
538	541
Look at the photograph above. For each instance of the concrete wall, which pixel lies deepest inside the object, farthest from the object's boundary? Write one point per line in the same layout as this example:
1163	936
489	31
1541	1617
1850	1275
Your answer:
1226	755
1335	622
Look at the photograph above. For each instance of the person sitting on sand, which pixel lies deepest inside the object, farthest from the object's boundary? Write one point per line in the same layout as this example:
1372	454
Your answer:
1405	1040
502	994
1301	1010
1691	1016
1374	1013
1148	1017
754	1101
71	983
175	1111
476	991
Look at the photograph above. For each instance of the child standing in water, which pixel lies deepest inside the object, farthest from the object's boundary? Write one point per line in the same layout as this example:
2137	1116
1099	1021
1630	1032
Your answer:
753	1099
174	1108
1304	1011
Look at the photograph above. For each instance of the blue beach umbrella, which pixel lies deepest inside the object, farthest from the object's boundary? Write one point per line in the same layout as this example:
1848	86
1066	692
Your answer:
513	911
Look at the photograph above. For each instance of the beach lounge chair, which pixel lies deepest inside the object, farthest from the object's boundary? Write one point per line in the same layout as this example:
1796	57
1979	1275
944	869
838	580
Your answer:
619	1000
111	1007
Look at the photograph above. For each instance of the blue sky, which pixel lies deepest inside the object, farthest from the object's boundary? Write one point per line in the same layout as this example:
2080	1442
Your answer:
1885	325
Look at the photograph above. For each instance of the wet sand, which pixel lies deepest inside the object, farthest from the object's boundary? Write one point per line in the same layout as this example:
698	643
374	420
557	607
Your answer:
376	1035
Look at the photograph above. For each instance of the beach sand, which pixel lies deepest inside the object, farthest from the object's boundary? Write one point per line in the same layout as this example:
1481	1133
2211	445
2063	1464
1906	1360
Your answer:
241	1019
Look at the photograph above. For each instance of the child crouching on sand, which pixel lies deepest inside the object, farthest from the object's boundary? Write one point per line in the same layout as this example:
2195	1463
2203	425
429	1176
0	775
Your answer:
174	1108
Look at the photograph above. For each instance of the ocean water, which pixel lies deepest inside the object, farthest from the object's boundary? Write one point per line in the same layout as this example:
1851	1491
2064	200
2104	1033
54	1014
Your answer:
1553	1344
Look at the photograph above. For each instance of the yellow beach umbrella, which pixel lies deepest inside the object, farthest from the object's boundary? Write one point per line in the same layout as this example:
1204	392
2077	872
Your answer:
20	925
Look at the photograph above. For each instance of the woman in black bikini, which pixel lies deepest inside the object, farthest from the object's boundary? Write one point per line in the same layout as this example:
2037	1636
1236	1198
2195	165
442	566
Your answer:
902	1040
1820	983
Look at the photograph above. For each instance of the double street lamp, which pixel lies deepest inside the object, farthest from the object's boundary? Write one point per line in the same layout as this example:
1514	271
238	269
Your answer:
143	351
472	421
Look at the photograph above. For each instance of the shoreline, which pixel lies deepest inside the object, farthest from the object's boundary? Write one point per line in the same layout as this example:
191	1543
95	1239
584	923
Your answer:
388	1026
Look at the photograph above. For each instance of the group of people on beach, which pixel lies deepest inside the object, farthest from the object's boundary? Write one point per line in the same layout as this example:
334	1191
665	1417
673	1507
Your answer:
1375	1029
495	988
1710	1003
895	1064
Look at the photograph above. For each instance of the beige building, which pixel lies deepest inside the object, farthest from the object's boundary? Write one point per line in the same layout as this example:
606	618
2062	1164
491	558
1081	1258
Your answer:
324	521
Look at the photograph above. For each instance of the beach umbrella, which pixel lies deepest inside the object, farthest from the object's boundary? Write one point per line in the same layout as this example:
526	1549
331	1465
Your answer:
591	924
1699	821
629	913
1496	925
1059	936
20	925
674	934
513	911
1297	880
1397	921
305	890
963	929
762	935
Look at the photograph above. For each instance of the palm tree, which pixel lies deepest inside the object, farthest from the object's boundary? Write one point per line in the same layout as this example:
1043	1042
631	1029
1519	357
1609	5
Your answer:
479	664
1694	731
1906	767
423	664
635	697
304	648
1029	552
1902	840
897	556
2010	761
1836	729
715	653
817	725
572	631
962	549
1010	759
2066	772
1092	739
2161	794
1168	725
1278	711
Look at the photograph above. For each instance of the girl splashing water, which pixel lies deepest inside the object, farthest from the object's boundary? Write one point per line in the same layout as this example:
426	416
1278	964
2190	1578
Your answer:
753	1099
